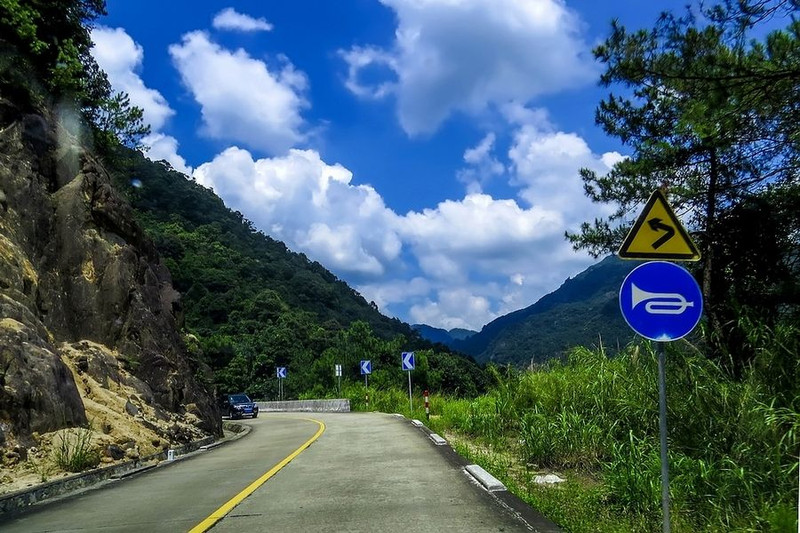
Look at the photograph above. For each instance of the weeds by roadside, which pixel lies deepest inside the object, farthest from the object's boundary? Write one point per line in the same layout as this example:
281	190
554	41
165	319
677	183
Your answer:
733	441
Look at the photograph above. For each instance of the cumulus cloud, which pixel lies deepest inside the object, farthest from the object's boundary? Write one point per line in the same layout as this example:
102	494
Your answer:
241	98
165	147
460	263
546	164
121	59
453	308
309	204
230	19
480	228
468	55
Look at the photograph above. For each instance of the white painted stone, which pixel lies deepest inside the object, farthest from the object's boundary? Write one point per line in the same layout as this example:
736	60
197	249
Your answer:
549	479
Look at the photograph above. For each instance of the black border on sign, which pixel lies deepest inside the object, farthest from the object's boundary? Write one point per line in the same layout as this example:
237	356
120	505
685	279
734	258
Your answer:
623	252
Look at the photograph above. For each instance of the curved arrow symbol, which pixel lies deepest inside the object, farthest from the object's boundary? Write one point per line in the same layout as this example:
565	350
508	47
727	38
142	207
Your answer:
657	225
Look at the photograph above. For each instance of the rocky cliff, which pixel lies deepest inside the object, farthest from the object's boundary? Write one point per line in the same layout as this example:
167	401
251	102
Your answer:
85	303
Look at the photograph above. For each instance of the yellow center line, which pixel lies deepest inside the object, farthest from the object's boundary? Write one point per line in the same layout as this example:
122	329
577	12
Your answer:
226	507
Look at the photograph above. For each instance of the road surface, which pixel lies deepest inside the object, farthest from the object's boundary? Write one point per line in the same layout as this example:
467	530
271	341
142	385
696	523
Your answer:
366	472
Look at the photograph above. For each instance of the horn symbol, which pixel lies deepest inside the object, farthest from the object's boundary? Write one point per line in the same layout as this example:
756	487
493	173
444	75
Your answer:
661	303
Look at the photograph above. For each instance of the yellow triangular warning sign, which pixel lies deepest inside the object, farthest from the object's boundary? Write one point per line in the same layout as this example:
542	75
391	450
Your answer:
658	234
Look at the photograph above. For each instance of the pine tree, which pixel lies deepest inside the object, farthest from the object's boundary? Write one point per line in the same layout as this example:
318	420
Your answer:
709	114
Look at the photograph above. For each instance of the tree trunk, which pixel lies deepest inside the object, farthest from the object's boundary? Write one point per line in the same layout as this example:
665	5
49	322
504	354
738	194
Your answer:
713	332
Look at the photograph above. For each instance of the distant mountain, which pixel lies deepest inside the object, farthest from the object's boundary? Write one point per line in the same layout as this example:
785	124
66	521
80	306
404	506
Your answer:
583	311
442	336
461	333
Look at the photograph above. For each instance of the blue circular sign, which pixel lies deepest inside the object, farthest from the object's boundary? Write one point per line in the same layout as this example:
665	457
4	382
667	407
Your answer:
661	301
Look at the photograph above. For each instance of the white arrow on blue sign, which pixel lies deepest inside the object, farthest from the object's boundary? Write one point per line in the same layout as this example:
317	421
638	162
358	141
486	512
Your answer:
408	360
281	372
366	367
661	301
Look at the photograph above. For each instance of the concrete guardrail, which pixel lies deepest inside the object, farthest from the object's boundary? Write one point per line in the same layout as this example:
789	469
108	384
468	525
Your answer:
309	406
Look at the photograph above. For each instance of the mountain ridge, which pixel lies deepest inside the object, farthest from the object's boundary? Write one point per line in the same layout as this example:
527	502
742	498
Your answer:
583	310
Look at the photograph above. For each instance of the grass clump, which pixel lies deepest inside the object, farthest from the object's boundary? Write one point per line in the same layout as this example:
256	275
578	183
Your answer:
74	451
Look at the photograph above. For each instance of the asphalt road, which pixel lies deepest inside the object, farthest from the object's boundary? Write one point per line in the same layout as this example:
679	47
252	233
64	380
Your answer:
367	472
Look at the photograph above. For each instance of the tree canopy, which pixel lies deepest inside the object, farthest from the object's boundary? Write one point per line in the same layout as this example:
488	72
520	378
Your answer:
708	104
45	59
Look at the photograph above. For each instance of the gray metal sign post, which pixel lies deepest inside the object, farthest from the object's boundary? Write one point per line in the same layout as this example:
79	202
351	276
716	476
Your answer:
366	370
662	425
280	373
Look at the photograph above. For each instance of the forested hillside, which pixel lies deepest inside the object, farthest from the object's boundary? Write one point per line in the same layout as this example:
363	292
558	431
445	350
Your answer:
582	312
253	304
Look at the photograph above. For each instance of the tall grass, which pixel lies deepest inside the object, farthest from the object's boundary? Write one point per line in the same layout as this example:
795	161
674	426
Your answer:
733	443
74	451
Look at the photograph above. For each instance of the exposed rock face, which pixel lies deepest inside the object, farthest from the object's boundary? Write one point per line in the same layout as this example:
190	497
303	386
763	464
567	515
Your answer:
75	266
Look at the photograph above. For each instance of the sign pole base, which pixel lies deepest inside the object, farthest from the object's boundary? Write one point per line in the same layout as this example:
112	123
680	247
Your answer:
410	401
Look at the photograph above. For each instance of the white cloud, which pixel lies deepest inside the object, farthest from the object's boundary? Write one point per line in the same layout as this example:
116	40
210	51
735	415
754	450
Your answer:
241	98
454	308
359	58
479	227
483	165
546	165
310	205
387	292
230	19
461	263
121	59
467	55
165	147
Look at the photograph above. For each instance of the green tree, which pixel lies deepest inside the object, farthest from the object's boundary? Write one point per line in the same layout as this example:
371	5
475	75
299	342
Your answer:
117	121
45	58
52	38
709	114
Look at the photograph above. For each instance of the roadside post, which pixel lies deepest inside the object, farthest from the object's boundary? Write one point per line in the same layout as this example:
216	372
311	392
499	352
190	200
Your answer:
339	375
366	370
407	359
659	300
280	372
427	405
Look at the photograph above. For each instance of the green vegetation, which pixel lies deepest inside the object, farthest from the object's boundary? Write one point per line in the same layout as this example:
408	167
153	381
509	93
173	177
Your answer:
252	305
74	451
710	113
582	312
594	419
46	64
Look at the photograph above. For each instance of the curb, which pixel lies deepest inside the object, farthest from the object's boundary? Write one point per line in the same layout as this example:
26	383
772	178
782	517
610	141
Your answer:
18	501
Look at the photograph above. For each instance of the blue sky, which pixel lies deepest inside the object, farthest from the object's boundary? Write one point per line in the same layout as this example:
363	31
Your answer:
425	151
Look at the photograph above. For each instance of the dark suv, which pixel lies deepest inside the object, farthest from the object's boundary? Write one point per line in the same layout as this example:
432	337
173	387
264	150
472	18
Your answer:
239	405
